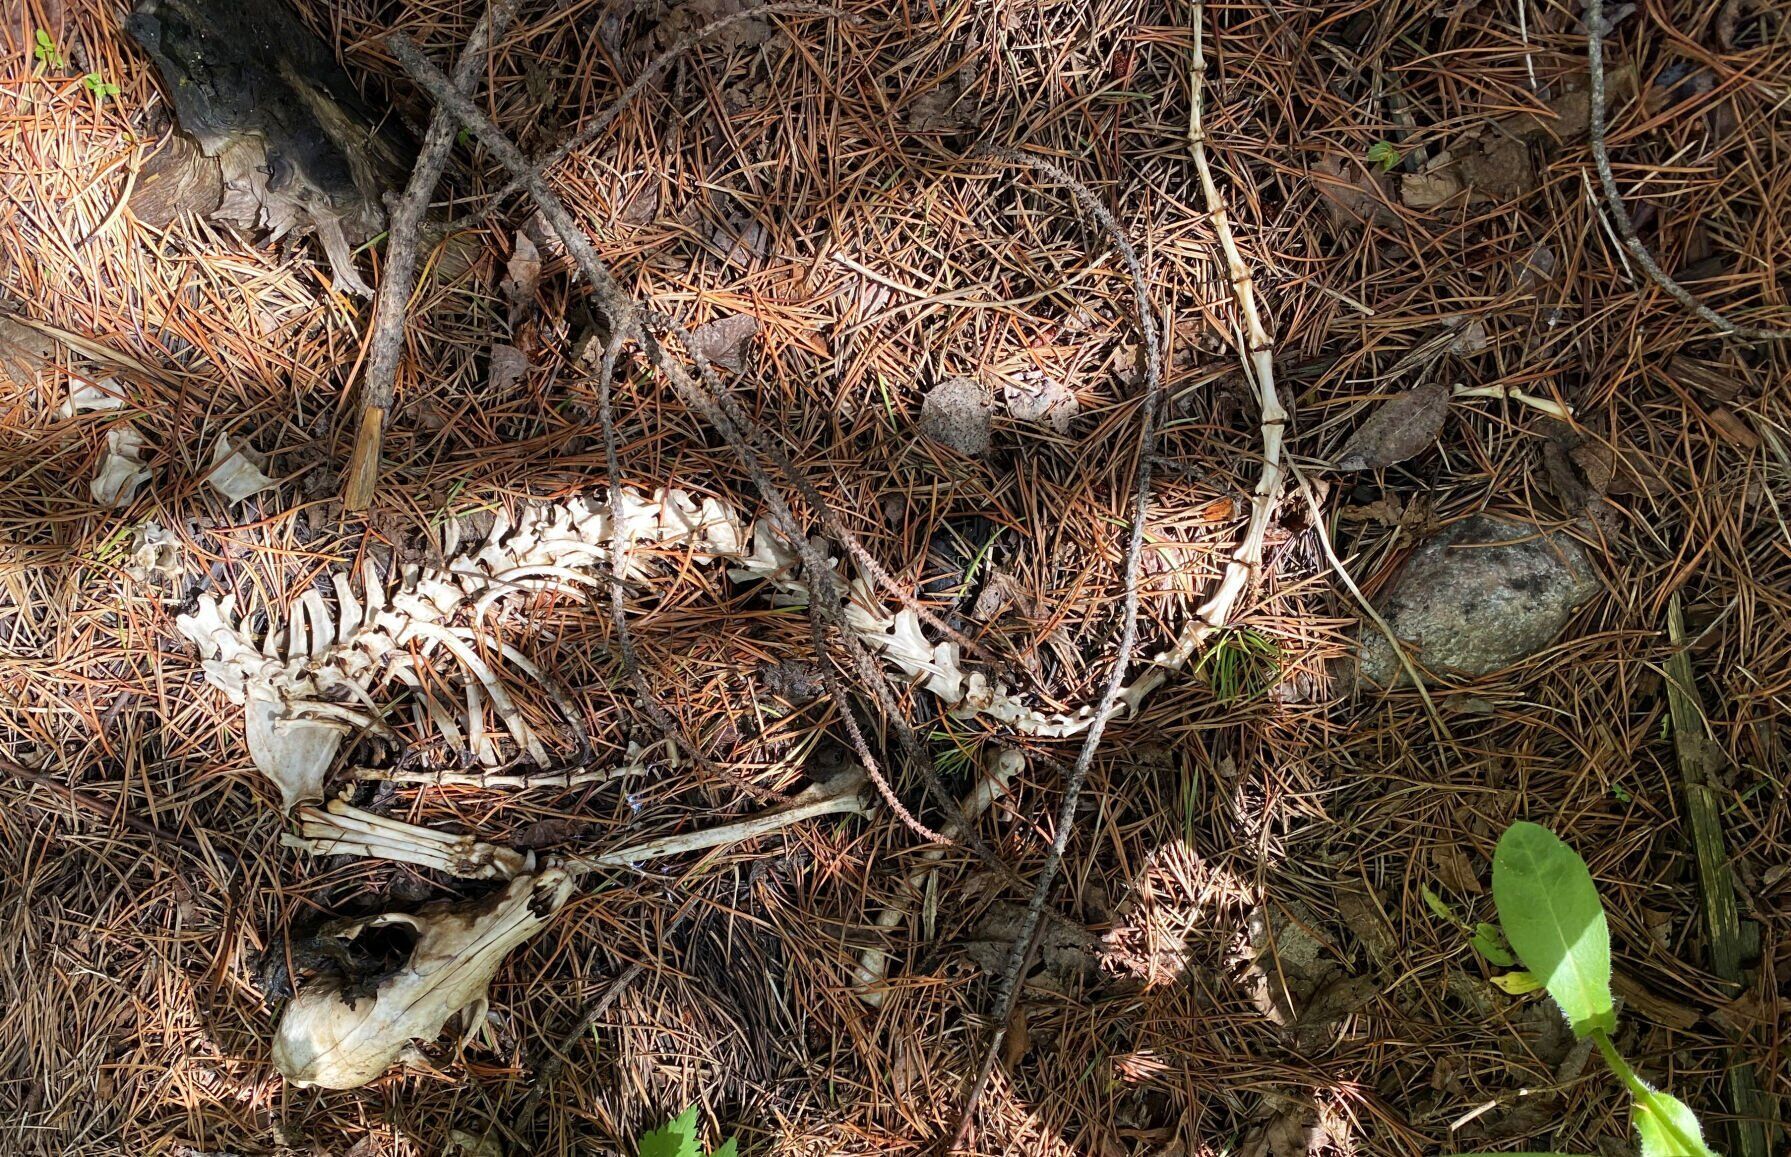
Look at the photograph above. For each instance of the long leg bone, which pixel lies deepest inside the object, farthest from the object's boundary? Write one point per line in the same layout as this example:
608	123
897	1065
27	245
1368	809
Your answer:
844	793
339	829
873	963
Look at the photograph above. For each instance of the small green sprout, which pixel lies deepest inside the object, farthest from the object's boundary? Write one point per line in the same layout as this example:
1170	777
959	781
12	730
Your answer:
99	86
1241	664
46	51
1385	154
678	1138
1551	914
1485	938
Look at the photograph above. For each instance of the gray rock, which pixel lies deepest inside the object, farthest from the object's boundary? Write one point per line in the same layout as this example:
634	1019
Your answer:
956	413
1480	596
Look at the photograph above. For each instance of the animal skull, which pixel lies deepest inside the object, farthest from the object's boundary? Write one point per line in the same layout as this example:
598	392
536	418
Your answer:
336	1038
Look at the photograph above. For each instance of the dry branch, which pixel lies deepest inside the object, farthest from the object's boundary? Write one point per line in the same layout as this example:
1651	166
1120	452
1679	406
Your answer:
385	348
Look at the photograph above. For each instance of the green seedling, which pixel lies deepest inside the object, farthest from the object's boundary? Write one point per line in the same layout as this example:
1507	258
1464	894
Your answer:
1385	154
678	1138
1554	921
99	86
44	48
1241	664
1486	938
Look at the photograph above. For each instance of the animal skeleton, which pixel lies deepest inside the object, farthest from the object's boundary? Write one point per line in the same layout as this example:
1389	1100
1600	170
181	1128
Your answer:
305	689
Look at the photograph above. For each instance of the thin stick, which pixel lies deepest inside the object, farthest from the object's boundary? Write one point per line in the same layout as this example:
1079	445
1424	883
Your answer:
1008	989
1405	660
386	345
1626	228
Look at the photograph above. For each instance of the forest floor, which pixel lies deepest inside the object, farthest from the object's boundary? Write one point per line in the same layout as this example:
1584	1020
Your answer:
1240	958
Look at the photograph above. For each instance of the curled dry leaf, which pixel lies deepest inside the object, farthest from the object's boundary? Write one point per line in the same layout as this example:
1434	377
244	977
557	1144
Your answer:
521	277
1401	428
509	365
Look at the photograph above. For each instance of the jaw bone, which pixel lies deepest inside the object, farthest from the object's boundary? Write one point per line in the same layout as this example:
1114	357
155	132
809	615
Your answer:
339	1039
332	1037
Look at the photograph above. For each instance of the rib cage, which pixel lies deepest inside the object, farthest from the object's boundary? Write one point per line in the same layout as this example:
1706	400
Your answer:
306	687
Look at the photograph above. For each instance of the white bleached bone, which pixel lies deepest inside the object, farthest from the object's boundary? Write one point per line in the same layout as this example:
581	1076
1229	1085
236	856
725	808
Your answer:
340	829
844	793
297	680
383	629
85	396
873	963
232	474
121	471
333	1037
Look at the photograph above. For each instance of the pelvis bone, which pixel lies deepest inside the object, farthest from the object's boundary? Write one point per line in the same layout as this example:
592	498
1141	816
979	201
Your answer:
339	1038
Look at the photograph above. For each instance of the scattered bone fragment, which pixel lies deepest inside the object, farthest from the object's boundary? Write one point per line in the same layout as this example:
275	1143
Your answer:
232	474
873	963
86	396
121	471
155	555
335	1037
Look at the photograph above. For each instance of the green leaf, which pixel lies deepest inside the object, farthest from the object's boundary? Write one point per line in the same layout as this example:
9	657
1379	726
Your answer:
1552	917
1667	1127
46	51
676	1138
1517	983
99	86
1438	905
1620	793
728	1149
1385	154
1489	942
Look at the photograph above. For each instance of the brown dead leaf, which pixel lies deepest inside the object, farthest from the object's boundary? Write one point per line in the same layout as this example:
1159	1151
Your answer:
522	276
550	831
1330	1004
509	365
1354	195
723	341
1428	190
1294	1132
1455	870
1386	510
1400	428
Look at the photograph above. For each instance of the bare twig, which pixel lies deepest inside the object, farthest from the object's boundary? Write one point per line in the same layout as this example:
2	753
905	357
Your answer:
386	345
1008	988
1626	228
